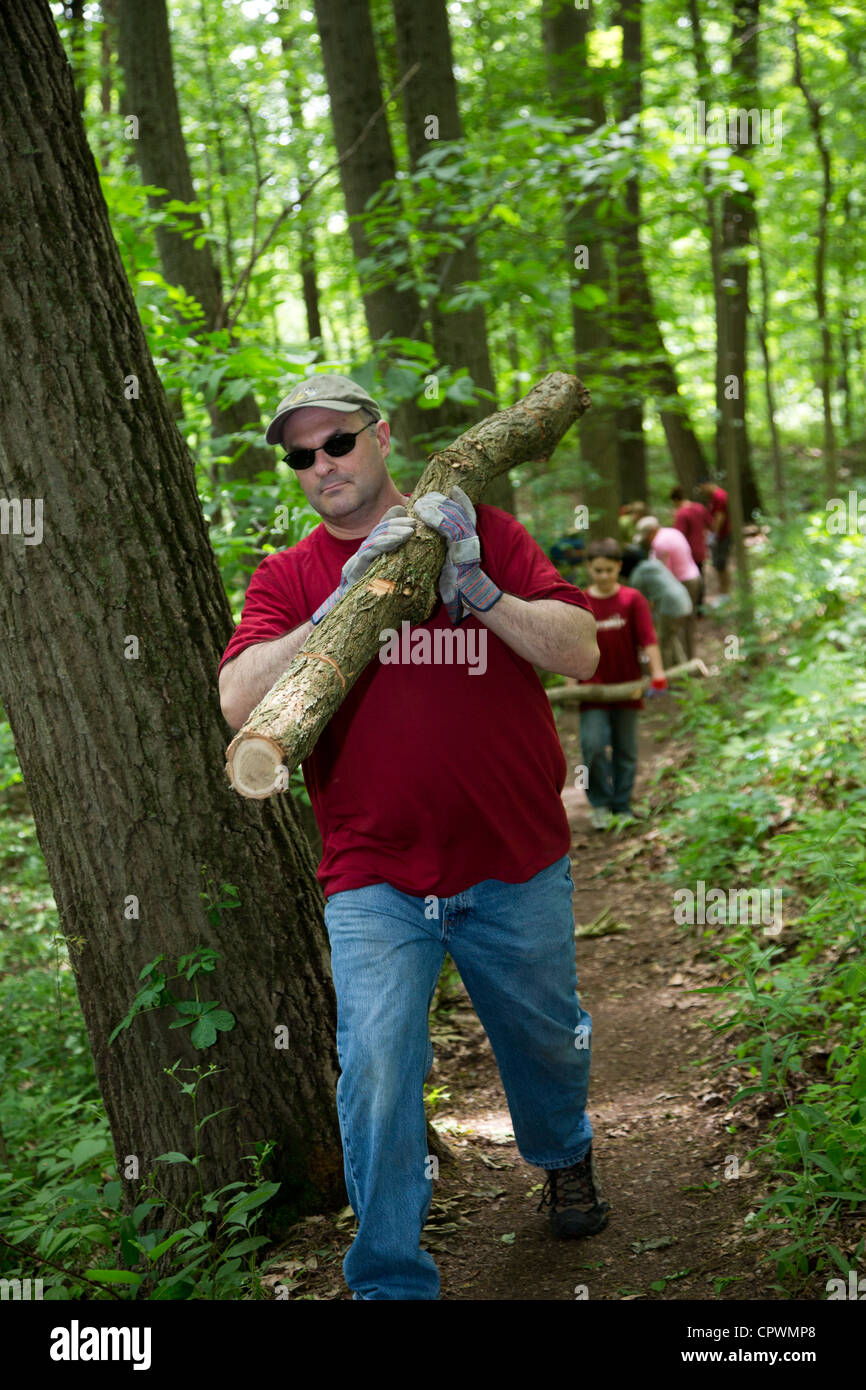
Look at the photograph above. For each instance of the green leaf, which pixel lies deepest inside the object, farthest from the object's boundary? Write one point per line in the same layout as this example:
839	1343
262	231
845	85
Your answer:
173	1157
164	1245
87	1148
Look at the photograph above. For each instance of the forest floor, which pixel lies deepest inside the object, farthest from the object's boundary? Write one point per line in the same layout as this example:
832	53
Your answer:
658	1106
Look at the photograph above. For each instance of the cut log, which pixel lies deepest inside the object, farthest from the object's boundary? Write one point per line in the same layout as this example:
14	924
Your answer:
627	690
284	726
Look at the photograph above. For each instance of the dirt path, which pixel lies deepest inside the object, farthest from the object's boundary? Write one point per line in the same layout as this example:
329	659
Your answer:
661	1133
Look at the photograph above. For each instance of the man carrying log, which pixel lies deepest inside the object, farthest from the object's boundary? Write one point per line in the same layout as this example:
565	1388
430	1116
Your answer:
436	788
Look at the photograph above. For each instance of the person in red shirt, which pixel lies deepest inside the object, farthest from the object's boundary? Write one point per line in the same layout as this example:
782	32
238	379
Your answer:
694	520
625	627
716	501
437	789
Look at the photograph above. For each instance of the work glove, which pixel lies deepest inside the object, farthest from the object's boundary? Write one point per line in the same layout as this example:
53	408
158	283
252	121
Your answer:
392	531
658	686
463	585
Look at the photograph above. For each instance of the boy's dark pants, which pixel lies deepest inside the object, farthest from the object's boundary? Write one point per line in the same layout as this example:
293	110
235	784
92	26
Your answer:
610	776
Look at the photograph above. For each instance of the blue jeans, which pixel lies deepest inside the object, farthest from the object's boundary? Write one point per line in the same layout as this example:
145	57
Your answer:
513	944
611	777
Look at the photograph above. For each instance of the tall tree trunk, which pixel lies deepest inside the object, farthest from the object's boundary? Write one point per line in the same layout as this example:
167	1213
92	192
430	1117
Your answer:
144	48
460	339
114	709
574	92
107	41
637	323
355	94
305	220
816	121
737	224
630	326
763	339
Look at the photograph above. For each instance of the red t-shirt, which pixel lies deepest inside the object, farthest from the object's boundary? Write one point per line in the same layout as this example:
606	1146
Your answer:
719	503
624	624
694	521
428	777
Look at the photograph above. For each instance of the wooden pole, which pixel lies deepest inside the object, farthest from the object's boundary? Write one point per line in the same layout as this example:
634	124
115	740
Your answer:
628	690
286	723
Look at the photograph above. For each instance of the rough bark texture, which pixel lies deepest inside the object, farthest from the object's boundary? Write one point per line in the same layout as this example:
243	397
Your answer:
403	585
573	92
121	757
144	49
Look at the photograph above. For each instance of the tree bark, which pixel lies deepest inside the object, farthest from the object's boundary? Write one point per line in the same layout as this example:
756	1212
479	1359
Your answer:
574	91
401	586
114	708
305	222
144	49
637	326
460	339
737	226
355	93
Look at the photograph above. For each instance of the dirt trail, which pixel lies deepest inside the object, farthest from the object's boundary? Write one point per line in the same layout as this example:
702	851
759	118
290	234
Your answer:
658	1114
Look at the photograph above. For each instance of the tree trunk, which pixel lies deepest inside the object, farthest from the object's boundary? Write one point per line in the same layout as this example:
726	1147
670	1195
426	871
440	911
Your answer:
114	708
460	339
305	220
762	323
355	93
574	91
737	224
636	320
816	121
400	587
630	325
144	49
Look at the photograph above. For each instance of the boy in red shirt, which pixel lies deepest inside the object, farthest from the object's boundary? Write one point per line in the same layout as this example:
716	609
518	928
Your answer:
624	626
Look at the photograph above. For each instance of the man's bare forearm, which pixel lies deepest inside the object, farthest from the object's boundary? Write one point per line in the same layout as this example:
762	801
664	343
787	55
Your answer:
246	679
554	635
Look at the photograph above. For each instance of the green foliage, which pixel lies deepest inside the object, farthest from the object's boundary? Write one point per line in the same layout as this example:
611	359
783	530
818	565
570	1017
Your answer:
773	795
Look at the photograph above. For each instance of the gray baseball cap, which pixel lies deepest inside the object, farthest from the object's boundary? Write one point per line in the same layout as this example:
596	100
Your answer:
324	389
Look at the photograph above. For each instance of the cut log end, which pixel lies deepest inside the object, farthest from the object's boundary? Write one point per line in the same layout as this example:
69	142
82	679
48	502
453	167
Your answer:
253	764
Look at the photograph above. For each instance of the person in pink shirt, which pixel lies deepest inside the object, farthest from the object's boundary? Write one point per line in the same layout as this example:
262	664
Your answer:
670	546
694	520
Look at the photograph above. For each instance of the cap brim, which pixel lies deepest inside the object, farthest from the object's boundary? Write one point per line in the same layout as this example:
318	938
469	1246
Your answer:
274	433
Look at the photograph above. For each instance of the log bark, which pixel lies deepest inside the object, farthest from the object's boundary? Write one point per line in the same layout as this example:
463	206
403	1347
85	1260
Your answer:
625	690
402	585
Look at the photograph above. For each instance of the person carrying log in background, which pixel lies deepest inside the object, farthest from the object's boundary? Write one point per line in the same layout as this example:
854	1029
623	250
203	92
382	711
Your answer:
437	791
624	627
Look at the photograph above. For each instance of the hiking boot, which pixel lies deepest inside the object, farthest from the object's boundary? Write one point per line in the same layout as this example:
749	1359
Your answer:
601	817
578	1206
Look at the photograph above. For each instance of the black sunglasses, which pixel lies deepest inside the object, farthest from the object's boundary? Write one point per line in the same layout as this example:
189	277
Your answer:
336	448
